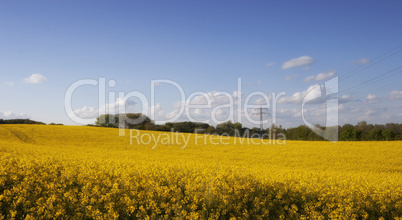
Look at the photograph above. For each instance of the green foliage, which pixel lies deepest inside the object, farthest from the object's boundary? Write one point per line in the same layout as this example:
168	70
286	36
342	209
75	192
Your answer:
360	132
129	121
187	127
349	133
369	132
388	135
20	121
302	132
55	123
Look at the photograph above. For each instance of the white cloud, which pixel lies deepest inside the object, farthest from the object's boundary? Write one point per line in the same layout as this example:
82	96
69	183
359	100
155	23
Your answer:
395	95
171	114
298	97
320	76
296	62
352	109
236	94
269	64
347	98
121	105
341	107
35	79
211	104
319	95
373	98
9	83
324	76
386	116
215	98
309	78
375	115
12	115
293	112
362	61
370	114
87	112
290	77
156	112
260	101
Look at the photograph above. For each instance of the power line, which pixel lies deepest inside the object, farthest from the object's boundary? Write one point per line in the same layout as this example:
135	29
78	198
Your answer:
386	87
378	78
378	59
261	114
371	81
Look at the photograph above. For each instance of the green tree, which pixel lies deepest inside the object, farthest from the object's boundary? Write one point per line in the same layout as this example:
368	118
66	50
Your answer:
107	120
388	135
130	121
375	135
348	134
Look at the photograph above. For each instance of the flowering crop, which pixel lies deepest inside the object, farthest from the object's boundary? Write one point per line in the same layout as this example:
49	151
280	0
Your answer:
92	173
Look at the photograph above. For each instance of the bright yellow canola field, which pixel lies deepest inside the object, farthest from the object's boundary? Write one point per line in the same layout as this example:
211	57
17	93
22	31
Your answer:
92	173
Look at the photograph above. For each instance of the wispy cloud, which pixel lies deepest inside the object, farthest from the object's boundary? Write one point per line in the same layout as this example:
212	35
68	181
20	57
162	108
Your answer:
87	112
9	83
290	77
373	98
298	97
121	105
320	76
215	107
348	98
324	76
35	79
269	64
369	115
395	95
297	62
314	91
13	115
362	61
309	78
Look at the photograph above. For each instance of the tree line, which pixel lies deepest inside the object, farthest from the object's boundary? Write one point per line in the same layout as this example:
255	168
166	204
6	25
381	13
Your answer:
25	121
20	121
360	132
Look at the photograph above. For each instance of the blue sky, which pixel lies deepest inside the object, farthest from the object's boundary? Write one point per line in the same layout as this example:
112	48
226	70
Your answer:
204	46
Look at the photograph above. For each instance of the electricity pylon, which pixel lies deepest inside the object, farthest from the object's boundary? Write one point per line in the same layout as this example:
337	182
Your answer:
261	113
